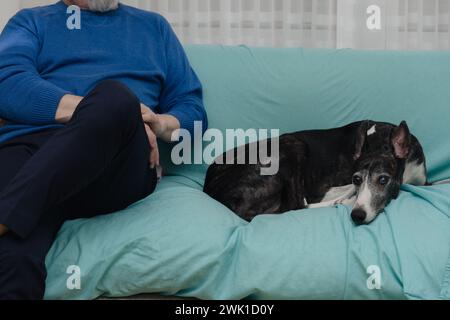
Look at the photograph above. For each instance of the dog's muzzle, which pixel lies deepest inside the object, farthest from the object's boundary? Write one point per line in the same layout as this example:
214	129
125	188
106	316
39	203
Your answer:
359	216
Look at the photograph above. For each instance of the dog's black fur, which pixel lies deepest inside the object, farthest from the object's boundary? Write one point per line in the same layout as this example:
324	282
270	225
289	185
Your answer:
313	162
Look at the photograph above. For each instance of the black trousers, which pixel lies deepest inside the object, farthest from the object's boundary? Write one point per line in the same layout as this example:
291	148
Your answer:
96	164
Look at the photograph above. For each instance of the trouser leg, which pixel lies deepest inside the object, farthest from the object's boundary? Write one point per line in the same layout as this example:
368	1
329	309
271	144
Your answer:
22	268
96	164
22	262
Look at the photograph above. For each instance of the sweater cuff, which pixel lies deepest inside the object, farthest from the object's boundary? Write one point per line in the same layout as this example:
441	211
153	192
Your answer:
45	105
187	119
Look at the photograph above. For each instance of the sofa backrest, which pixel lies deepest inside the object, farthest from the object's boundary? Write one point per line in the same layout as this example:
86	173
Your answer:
298	89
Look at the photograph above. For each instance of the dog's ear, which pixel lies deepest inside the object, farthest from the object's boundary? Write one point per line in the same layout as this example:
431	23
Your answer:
401	140
361	135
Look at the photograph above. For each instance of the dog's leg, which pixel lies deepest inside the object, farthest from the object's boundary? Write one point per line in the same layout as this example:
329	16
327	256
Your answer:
321	205
441	182
338	195
348	202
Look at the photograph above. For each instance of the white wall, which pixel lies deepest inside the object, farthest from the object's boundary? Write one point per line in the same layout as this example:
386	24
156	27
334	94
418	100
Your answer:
7	9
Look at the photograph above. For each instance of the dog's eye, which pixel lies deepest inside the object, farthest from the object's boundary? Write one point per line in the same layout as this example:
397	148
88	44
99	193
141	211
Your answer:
357	180
383	180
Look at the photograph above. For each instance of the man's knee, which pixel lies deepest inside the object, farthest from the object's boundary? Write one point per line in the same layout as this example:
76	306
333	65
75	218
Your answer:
120	100
22	276
117	90
113	105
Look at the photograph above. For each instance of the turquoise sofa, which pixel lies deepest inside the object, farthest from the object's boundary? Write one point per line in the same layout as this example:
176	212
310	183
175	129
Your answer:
180	242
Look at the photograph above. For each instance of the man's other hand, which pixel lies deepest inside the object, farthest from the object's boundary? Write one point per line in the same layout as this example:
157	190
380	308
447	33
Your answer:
154	151
152	120
163	125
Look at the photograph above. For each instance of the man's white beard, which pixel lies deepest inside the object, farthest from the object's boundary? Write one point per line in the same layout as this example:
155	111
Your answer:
103	5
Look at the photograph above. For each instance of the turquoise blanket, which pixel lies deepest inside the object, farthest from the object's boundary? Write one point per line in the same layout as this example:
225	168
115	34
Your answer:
180	242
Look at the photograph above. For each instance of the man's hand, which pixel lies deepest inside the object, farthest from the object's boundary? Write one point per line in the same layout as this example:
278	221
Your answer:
67	107
152	120
154	151
3	230
163	125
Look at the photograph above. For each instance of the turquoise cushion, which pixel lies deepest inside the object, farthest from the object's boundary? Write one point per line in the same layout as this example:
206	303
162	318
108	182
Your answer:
179	241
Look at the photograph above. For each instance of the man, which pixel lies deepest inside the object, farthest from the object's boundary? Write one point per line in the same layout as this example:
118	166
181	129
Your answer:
81	111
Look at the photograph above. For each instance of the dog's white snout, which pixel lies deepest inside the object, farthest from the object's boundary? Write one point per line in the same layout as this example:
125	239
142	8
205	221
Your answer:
363	212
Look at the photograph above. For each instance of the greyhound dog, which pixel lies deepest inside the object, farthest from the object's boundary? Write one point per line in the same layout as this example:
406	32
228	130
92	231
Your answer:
361	164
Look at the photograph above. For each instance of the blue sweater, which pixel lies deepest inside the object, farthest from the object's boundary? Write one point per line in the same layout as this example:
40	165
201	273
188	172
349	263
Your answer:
41	60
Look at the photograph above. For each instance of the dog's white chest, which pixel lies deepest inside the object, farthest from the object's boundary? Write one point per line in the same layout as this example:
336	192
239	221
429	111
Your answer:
415	174
372	130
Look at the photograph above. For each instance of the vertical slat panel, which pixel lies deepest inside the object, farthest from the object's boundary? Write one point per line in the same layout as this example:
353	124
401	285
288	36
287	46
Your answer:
225	22
408	24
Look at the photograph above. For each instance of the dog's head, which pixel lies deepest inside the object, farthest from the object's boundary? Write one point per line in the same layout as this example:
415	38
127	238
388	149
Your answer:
382	153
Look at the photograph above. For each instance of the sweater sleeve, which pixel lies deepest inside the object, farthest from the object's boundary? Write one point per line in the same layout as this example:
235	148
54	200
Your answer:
25	97
182	94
